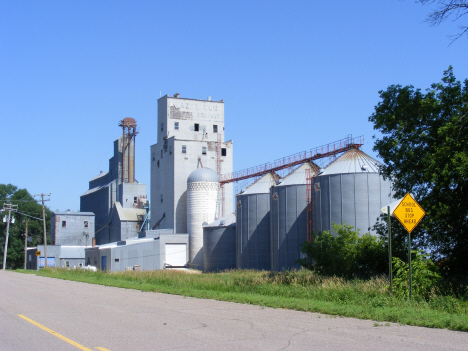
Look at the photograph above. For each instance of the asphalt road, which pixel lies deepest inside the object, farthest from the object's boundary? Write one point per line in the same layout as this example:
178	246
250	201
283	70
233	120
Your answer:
102	318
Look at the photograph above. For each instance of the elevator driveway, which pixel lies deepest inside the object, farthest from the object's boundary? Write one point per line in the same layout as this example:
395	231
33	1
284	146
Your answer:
99	317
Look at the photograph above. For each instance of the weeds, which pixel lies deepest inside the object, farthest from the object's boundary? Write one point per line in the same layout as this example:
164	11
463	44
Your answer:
300	290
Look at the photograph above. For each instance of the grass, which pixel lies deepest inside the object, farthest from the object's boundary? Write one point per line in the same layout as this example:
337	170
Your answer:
298	290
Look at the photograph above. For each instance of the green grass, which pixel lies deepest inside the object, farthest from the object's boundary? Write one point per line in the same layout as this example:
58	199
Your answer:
298	290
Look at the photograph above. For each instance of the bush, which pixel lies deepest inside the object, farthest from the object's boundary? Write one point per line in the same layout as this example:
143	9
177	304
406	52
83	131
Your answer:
424	275
346	254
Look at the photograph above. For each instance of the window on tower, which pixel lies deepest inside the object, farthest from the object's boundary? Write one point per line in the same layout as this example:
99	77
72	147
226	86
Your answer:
215	128
176	125
184	149
203	150
223	151
162	127
196	127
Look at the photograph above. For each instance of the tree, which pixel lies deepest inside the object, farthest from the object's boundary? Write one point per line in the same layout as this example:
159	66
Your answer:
446	9
424	146
27	205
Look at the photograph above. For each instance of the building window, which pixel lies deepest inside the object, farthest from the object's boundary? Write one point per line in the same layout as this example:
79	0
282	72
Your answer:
67	263
176	125
161	197
203	150
170	150
196	127
184	149
117	260
64	224
215	128
162	127
86	224
81	264
135	200
223	151
154	157
158	163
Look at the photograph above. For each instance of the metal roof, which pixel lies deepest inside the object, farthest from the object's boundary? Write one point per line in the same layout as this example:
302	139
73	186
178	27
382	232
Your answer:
97	188
226	221
203	175
299	175
99	175
129	214
261	185
72	214
353	161
132	241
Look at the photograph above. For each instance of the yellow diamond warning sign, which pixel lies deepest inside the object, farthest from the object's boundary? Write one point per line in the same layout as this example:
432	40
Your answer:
409	213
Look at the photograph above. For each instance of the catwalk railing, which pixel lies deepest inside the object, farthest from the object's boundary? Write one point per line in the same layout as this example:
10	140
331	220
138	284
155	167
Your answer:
327	150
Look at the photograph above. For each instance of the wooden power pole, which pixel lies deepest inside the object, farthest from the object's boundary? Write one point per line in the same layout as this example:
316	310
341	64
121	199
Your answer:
26	244
44	222
9	207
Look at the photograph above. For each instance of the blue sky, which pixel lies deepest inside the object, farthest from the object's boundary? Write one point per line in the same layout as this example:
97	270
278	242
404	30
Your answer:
293	74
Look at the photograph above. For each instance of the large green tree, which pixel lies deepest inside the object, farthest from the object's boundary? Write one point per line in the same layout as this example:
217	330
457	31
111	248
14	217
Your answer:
424	146
26	205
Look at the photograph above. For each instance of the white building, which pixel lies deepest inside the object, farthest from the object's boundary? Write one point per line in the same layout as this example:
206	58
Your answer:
190	135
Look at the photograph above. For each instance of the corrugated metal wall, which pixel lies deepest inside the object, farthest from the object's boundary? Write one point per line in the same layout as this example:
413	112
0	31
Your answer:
352	198
288	225
253	232
219	248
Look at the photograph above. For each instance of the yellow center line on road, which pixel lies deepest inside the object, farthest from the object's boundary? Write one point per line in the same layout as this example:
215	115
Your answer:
60	336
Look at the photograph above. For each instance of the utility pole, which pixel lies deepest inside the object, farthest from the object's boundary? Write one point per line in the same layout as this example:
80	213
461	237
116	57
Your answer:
44	222
26	244
10	208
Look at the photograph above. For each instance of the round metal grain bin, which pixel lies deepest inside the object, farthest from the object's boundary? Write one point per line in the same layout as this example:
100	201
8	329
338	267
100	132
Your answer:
253	225
351	191
288	214
202	192
219	244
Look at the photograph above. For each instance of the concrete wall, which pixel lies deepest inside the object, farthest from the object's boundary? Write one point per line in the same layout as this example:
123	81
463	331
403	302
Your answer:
170	167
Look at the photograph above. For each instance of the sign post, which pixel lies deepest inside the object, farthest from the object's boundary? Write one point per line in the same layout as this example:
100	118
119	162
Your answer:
409	213
389	225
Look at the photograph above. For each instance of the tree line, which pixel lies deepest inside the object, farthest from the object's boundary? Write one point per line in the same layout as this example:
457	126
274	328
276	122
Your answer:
27	205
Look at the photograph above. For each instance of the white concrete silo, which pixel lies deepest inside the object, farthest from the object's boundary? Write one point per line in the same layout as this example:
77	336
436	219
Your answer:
202	193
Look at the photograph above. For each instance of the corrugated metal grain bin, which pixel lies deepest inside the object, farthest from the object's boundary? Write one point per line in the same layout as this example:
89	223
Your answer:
219	244
253	225
351	191
288	214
